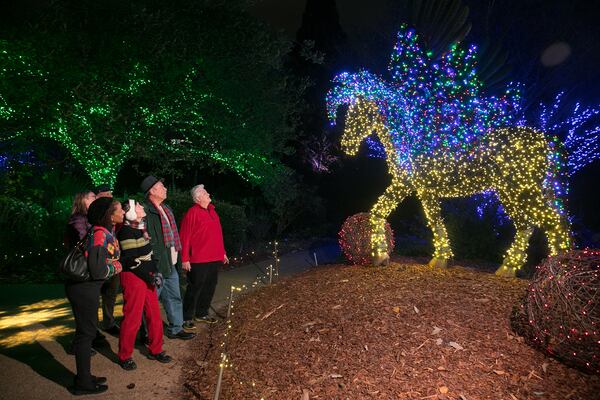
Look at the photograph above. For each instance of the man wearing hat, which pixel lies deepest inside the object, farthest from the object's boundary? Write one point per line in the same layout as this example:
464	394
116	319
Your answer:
110	288
103	191
166	246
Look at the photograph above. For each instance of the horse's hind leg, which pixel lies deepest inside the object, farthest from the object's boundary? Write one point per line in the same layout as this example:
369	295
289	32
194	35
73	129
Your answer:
554	224
516	256
442	250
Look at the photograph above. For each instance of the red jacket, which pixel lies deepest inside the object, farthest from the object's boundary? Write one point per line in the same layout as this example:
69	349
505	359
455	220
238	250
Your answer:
201	235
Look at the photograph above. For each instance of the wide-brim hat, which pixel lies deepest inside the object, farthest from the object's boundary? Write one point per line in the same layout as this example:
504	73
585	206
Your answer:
148	182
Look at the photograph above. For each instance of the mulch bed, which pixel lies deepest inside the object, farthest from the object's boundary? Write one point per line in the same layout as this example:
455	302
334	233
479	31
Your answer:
399	332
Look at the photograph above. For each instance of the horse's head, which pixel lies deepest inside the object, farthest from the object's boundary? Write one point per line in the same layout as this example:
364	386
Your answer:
362	119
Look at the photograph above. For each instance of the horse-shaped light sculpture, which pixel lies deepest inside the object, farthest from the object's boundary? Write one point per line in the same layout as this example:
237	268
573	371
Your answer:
512	162
442	138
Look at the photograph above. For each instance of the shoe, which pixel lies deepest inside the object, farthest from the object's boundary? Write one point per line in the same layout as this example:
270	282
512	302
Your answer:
181	335
189	326
113	330
206	319
128	365
77	391
99	380
161	357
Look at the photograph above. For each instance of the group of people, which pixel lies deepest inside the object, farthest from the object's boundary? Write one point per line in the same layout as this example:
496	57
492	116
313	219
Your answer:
138	246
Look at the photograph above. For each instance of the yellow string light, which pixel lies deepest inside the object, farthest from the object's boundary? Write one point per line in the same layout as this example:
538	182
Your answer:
513	162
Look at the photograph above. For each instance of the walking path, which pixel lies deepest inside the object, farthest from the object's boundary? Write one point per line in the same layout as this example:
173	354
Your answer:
36	326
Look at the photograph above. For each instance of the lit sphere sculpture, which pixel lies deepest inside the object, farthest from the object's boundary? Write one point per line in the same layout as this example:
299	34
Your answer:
355	239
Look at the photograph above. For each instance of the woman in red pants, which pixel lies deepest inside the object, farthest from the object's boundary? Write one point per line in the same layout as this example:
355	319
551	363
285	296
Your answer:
139	280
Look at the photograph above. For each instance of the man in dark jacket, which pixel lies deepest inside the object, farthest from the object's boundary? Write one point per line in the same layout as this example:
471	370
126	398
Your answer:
166	246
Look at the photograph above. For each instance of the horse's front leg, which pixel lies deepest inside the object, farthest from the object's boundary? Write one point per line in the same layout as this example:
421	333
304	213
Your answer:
386	203
441	243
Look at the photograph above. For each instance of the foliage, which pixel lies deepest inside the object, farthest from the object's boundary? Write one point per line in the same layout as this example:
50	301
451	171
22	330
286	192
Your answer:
162	82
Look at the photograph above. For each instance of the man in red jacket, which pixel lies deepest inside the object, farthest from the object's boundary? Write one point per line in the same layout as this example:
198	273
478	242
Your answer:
201	254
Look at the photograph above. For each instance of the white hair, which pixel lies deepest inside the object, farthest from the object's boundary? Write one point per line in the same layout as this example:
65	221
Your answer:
195	190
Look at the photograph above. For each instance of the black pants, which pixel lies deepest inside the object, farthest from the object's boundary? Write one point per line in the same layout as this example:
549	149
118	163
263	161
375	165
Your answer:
109	292
84	298
202	281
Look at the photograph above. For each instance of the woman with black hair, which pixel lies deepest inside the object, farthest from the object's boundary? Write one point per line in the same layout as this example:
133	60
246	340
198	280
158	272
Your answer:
103	262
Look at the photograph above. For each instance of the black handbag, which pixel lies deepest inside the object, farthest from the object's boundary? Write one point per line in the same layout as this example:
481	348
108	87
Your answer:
74	266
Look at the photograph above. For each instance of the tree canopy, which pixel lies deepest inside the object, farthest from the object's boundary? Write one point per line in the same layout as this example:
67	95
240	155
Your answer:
112	81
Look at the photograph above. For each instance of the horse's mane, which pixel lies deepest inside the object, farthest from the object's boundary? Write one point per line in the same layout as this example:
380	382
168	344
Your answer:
428	105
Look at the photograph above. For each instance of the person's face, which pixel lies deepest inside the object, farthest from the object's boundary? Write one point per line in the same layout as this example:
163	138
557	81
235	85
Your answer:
89	198
139	211
203	197
118	215
159	191
104	194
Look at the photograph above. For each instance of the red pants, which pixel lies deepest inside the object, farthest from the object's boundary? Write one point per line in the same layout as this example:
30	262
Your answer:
138	297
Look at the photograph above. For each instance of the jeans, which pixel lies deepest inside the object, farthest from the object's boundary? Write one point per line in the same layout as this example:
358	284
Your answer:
169	295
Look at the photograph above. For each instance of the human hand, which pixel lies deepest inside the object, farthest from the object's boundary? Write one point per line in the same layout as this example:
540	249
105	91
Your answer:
186	266
225	259
158	280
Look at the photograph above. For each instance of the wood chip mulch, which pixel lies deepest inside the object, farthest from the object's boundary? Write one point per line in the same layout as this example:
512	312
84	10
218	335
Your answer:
399	332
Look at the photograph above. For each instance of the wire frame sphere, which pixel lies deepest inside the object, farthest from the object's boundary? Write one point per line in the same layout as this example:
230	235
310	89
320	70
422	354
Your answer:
560	314
355	239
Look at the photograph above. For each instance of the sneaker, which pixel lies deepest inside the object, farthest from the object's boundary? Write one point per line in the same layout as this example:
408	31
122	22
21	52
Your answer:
206	319
77	391
189	326
161	357
183	335
128	365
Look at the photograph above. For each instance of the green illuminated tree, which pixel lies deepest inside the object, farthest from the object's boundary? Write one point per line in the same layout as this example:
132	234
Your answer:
113	81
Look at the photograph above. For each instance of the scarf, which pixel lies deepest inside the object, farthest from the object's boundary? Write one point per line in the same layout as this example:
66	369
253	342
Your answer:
169	228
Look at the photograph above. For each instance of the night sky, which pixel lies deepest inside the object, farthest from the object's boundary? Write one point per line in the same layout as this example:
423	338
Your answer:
525	27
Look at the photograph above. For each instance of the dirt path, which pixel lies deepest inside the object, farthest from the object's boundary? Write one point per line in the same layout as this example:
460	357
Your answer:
36	327
35	365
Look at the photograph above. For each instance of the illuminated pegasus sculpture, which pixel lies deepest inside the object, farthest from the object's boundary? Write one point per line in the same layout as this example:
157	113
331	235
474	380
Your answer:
443	139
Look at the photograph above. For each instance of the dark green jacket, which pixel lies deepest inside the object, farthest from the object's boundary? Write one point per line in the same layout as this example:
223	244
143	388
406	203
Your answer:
159	251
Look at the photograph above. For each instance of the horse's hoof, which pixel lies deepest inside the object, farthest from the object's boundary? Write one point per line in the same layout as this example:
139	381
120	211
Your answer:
438	263
506	272
382	259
